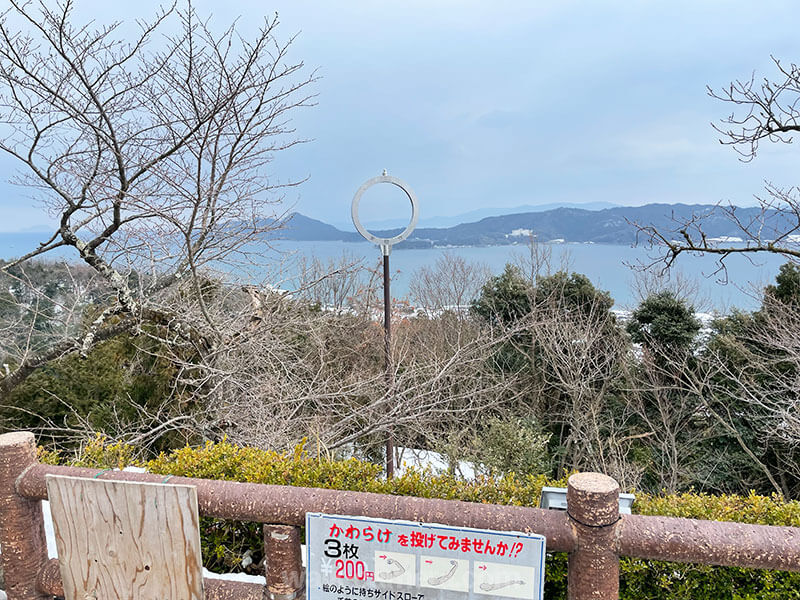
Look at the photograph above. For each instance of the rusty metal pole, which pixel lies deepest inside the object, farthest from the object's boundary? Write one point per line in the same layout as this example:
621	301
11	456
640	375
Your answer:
593	509
285	577
387	348
24	549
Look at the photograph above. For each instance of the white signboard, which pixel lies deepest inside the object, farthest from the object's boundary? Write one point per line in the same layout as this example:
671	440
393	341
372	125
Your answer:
357	558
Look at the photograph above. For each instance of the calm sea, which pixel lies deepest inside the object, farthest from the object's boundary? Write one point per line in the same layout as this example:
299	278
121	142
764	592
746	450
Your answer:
608	266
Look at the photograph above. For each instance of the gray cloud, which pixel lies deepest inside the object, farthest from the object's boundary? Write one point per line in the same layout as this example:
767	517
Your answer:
514	102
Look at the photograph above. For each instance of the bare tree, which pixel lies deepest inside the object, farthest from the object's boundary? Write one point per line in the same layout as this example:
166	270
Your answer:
302	372
537	260
762	110
769	110
648	282
450	284
754	374
660	391
577	363
339	283
152	154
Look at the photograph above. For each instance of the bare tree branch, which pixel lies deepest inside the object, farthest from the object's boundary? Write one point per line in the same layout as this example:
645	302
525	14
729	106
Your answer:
153	157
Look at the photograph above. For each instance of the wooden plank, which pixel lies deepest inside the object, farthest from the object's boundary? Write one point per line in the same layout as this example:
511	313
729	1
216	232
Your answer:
126	541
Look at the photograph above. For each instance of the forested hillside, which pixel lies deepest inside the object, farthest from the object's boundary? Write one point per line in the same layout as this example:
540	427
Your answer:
537	377
618	225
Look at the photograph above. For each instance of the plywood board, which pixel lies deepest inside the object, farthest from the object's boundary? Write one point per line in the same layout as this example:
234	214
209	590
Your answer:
127	541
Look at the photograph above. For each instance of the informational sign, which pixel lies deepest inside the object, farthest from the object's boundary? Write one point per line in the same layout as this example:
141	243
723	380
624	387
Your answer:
358	558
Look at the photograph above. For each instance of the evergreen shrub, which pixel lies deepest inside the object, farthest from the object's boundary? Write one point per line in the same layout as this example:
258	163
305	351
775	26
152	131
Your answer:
226	542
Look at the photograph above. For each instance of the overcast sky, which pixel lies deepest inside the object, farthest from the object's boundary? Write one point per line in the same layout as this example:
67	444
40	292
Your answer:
507	103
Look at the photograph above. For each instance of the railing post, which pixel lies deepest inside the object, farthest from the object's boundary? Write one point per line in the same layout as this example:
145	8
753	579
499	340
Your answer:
22	540
285	576
593	508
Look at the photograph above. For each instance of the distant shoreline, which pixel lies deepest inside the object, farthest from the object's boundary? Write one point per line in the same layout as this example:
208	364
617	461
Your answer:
607	265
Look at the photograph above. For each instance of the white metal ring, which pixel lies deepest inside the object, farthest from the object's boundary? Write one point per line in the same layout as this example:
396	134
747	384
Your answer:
385	243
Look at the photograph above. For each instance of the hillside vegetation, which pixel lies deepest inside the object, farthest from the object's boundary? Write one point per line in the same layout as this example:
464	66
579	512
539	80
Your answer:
226	543
617	225
538	376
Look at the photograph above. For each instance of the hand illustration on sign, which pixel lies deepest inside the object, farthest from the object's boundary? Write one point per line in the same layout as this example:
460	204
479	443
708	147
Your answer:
490	587
394	572
442	578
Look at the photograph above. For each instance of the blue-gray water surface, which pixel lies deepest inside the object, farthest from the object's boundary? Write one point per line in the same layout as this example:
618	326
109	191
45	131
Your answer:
608	266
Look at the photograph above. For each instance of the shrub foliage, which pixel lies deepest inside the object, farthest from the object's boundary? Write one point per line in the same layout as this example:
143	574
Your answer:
226	542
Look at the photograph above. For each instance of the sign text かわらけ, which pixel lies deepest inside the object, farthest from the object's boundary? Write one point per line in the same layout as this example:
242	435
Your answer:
356	558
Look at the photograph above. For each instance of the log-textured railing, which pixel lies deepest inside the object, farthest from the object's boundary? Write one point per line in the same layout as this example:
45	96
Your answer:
591	530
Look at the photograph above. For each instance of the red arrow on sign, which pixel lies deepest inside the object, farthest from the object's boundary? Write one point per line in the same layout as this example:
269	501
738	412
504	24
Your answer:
482	567
430	562
382	556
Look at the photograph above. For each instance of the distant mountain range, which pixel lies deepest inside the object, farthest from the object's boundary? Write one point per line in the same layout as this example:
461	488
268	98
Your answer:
475	215
563	224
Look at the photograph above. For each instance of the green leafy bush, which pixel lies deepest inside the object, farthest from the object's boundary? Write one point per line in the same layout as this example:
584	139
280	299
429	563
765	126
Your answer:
503	445
225	542
656	579
109	390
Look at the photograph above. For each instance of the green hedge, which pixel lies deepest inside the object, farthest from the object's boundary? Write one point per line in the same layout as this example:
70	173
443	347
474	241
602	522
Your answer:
225	542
